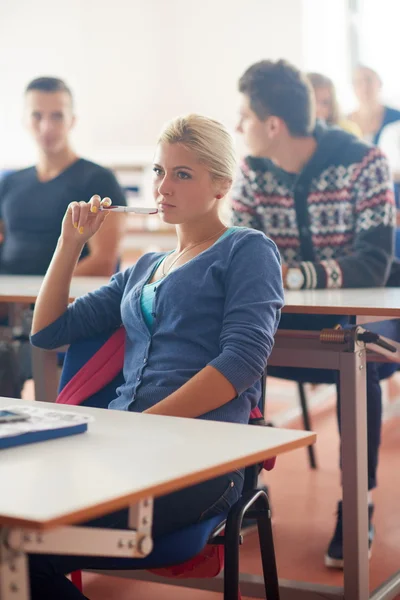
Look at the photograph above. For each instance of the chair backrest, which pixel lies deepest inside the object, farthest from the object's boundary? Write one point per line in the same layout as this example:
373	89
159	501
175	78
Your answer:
77	355
90	389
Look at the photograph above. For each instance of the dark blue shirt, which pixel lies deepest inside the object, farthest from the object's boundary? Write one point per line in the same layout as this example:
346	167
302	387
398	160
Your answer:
390	115
32	212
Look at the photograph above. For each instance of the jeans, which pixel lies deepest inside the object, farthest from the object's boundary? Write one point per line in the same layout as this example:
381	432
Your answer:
171	513
375	373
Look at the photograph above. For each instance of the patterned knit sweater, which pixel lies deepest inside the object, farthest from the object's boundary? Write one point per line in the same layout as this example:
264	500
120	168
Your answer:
335	220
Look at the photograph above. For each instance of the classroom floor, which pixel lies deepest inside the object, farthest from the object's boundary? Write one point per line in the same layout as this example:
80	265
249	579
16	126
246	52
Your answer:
304	505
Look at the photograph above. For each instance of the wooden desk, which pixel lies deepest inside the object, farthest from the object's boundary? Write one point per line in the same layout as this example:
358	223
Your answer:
305	349
378	302
24	289
381	302
98	472
295	349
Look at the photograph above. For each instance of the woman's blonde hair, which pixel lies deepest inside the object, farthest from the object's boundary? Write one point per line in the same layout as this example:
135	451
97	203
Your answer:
321	81
208	139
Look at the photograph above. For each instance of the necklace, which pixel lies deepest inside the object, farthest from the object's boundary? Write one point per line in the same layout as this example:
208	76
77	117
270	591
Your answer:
165	272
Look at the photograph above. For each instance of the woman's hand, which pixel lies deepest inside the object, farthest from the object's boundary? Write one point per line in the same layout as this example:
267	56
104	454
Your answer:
83	219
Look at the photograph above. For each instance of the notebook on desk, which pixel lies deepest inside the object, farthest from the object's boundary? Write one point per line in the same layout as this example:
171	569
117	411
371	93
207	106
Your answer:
41	425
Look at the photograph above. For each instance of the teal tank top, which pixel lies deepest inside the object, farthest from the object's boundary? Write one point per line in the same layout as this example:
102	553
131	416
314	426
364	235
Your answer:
148	291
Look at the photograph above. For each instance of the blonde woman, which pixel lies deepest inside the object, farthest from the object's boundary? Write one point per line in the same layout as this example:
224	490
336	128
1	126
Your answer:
327	106
372	116
199	321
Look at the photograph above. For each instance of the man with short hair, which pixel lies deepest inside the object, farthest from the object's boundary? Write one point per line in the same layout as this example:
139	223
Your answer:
33	201
325	198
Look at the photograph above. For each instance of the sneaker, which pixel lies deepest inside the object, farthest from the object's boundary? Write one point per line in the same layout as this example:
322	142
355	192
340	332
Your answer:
334	555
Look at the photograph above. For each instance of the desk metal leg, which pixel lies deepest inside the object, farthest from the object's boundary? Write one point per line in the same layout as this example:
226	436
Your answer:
44	368
16	544
354	474
13	571
301	349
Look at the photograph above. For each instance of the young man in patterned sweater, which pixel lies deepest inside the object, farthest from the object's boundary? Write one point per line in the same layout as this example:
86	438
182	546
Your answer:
326	200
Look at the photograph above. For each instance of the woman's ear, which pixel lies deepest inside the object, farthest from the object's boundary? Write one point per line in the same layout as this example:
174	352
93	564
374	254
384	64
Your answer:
223	188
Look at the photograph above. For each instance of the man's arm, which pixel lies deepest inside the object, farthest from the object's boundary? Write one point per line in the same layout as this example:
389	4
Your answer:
370	261
104	247
244	212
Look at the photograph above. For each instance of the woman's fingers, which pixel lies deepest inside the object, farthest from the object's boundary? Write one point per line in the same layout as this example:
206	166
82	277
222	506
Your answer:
84	208
74	209
83	213
106	202
94	203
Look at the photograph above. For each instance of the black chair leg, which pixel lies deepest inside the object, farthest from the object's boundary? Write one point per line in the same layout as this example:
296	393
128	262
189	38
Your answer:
231	569
267	549
254	504
307	424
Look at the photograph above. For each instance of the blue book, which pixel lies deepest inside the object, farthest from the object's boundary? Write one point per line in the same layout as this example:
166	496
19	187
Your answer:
41	435
38	424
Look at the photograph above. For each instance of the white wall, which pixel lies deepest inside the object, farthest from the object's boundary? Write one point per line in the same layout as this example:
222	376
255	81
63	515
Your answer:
133	64
326	46
378	32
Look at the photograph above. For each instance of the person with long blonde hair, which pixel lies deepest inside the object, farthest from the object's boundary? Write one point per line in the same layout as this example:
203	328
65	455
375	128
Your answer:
200	321
327	105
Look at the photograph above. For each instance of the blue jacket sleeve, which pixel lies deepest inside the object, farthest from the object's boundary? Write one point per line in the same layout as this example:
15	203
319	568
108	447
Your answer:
254	298
90	315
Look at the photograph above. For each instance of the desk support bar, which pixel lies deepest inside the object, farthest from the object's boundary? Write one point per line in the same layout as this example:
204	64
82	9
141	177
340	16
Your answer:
302	349
16	543
354	473
251	586
13	571
78	541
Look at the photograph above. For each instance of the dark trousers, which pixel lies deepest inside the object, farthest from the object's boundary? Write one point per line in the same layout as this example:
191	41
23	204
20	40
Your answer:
171	513
375	373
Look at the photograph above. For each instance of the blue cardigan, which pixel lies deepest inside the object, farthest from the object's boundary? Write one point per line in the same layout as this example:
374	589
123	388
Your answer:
222	309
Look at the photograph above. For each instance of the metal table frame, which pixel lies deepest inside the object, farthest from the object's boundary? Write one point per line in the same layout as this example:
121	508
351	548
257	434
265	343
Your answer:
302	349
16	543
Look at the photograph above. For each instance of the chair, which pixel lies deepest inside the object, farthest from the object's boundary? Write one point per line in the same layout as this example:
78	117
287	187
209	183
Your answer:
201	549
305	415
306	422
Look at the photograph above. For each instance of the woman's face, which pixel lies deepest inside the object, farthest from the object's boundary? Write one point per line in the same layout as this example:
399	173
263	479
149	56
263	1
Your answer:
182	186
323	103
367	85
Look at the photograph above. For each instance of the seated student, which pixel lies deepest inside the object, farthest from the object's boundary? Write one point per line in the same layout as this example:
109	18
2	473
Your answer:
34	200
371	116
199	321
327	105
379	123
326	200
389	142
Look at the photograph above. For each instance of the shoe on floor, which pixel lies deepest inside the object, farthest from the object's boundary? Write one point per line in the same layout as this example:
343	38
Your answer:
334	555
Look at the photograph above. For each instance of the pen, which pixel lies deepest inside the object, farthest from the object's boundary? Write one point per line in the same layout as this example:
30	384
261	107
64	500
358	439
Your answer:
129	209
